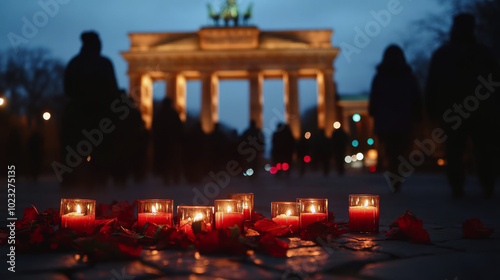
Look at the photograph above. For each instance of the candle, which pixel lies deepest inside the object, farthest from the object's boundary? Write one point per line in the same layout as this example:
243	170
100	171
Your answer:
77	215
228	213
364	213
156	211
247	200
193	216
286	214
286	219
158	218
312	210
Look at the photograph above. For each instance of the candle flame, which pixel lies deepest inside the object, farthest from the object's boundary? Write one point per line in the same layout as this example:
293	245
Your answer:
366	203
78	209
153	210
198	217
245	206
229	209
288	212
313	209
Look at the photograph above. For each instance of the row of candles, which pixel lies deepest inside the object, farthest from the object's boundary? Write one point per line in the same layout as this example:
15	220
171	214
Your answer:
79	214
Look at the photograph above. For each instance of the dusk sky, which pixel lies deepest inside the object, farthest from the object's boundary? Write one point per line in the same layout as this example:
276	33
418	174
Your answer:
113	19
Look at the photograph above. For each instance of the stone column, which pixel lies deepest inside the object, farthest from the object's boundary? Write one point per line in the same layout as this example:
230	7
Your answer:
176	91
256	98
328	111
209	101
291	98
141	91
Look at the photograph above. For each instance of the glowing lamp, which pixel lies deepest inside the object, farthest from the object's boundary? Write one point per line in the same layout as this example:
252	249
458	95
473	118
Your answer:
364	213
286	214
312	210
156	211
77	215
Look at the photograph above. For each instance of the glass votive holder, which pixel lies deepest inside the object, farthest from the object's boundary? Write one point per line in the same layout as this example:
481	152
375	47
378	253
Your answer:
286	213
156	211
312	210
228	213
77	215
247	199
364	213
195	218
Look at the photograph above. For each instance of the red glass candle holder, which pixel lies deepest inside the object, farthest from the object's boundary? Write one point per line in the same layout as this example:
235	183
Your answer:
195	216
77	215
247	200
364	213
156	211
286	214
228	213
312	210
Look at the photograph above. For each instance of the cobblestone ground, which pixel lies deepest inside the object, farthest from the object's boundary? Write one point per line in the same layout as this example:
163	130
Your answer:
350	256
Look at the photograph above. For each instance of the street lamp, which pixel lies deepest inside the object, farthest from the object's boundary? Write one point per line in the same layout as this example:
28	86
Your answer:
46	116
2	101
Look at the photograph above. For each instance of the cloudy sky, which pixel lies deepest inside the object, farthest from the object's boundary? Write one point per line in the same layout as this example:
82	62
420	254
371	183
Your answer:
64	20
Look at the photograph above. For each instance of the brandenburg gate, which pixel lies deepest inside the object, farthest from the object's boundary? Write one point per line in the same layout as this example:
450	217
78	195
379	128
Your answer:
216	53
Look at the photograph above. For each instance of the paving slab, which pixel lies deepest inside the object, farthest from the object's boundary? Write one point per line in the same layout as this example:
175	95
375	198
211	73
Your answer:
445	266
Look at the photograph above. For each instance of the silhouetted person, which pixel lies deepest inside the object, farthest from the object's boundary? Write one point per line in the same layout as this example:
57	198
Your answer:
220	146
129	143
395	106
168	136
254	138
283	146
195	157
90	85
340	140
323	151
35	152
303	150
460	95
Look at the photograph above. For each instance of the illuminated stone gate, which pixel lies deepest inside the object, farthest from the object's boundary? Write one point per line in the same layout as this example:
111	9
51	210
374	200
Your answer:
216	53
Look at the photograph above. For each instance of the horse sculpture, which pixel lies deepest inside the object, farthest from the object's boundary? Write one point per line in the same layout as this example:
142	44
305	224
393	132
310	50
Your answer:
229	12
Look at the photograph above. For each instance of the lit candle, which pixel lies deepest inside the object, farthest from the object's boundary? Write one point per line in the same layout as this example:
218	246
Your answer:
286	214
192	216
77	215
228	213
312	210
364	213
156	211
247	199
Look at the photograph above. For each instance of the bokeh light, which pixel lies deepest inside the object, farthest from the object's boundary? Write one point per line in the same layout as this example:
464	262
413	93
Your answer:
278	166
307	135
1	101
356	117
273	170
348	159
267	167
359	156
285	166
355	143
336	125
372	153
307	159
354	158
249	172
46	116
373	168
370	141
441	162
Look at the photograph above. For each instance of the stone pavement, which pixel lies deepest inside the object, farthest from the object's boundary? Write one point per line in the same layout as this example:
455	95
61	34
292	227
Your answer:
350	256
